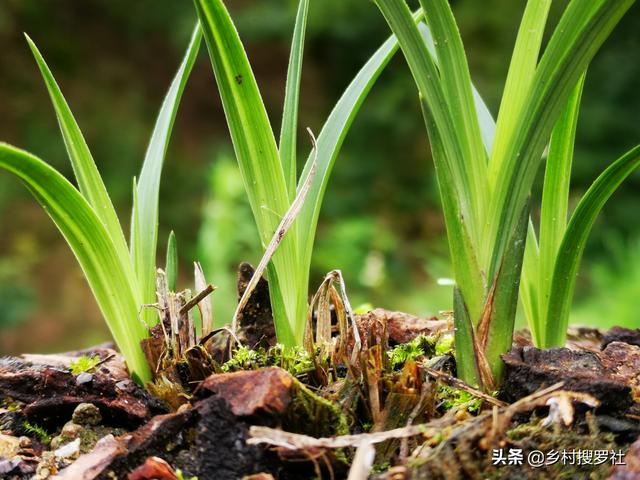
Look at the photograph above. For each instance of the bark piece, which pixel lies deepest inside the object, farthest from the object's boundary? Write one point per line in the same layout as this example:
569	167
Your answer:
620	334
272	396
50	391
528	369
402	327
253	392
153	468
206	441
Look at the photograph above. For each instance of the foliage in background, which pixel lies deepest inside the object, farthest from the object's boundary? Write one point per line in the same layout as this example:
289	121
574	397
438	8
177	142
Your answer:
612	297
227	234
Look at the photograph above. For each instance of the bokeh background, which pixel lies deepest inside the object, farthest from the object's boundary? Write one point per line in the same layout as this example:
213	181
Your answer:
381	222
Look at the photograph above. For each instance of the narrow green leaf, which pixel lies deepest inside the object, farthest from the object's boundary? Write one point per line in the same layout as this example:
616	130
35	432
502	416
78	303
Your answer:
575	238
289	129
485	119
555	195
529	285
144	246
172	262
256	152
456	83
521	72
247	119
106	271
85	170
583	28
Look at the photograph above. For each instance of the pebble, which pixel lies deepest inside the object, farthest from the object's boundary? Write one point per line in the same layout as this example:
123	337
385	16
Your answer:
9	446
69	451
84	377
87	414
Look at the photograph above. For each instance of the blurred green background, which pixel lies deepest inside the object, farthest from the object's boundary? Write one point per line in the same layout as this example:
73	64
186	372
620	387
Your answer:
381	222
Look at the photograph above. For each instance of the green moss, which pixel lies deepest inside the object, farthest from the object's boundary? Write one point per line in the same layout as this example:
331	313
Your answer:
294	360
84	364
453	397
244	358
181	476
38	432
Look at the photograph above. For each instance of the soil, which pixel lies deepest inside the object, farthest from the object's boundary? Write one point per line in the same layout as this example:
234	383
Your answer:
382	404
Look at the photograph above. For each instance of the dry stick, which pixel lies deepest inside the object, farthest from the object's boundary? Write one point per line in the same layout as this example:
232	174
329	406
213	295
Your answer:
460	385
279	234
362	462
295	441
357	342
205	306
197	299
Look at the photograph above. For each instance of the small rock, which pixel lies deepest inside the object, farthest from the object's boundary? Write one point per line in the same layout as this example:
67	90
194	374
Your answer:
25	442
87	414
84	377
69	451
71	430
9	446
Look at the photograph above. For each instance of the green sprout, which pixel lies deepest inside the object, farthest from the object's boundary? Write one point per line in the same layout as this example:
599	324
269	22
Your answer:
268	167
84	364
486	170
121	276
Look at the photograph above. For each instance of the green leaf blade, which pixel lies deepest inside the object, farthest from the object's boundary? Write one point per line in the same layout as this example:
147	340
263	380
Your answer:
106	271
555	195
85	170
289	129
521	72
331	138
457	87
574	241
256	152
171	264
145	211
583	28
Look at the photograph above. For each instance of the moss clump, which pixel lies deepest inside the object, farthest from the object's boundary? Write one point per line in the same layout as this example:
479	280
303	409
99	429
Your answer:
454	398
84	364
421	346
294	360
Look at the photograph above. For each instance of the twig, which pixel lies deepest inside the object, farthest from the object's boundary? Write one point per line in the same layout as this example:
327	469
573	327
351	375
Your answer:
197	299
362	462
295	441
